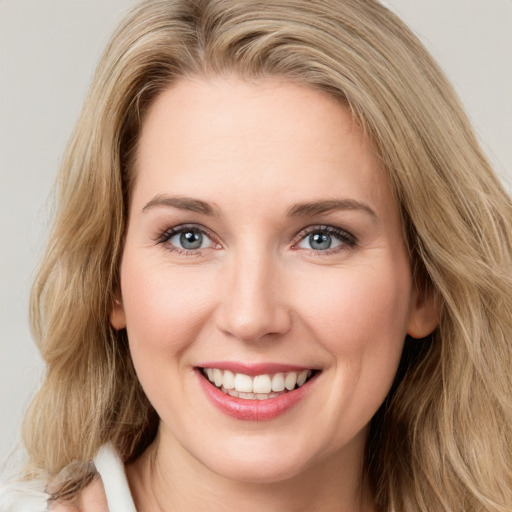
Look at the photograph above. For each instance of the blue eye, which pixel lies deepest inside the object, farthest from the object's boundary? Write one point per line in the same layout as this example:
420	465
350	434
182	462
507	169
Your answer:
189	239
325	239
186	238
320	241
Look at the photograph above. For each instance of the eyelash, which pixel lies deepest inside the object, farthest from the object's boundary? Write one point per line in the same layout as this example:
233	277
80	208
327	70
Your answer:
165	236
347	240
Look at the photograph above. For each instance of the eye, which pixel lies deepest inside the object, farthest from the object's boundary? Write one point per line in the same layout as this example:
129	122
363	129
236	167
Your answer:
187	239
325	239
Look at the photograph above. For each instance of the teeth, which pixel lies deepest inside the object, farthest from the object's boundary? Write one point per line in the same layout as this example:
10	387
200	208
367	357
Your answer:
278	382
229	380
260	387
262	384
290	380
302	378
218	377
247	396
243	383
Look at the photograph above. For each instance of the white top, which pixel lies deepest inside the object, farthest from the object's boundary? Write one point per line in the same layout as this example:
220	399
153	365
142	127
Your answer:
112	474
30	496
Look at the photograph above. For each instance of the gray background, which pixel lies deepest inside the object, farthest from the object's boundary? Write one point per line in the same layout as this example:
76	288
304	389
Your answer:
48	50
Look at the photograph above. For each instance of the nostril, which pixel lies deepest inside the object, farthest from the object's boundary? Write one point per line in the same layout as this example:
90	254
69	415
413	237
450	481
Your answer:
252	324
251	306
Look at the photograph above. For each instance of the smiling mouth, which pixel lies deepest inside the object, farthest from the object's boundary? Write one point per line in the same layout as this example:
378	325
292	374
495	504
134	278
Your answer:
258	387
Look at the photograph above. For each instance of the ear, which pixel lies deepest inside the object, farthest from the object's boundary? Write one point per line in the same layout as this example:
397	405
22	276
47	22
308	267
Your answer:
117	314
424	314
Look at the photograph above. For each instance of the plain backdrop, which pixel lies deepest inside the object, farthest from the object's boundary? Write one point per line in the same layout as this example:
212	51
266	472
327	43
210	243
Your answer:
48	51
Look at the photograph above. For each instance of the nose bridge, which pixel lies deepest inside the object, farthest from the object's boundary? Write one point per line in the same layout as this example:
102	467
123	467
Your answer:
253	304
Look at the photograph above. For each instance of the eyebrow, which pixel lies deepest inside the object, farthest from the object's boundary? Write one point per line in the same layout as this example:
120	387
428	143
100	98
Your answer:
182	203
311	209
308	209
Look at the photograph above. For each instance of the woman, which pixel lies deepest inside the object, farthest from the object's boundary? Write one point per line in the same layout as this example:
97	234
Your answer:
279	277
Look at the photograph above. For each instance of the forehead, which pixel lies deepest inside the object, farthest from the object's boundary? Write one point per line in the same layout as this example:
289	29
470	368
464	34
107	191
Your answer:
256	139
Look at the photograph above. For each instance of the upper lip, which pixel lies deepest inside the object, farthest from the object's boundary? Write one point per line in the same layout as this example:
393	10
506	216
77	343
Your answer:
253	369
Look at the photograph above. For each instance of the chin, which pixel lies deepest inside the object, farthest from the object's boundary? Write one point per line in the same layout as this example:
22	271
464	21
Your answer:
256	473
250	462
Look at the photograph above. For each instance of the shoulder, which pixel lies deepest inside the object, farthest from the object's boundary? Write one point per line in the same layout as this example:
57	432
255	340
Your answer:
108	485
23	496
30	496
91	499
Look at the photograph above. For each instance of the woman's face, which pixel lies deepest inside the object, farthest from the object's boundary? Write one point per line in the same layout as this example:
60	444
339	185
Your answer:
264	245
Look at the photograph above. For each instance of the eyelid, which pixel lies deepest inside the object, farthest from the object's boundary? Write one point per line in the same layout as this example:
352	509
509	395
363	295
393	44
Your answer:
348	239
162	237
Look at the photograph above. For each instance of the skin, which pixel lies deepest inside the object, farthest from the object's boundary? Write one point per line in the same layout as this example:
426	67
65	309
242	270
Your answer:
258	292
92	499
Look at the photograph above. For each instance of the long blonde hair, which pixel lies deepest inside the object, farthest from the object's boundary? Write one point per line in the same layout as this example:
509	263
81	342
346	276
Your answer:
442	441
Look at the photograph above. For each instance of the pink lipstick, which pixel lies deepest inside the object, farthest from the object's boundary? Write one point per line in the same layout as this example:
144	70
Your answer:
255	392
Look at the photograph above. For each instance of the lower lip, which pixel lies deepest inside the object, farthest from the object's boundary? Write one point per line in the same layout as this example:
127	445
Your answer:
253	410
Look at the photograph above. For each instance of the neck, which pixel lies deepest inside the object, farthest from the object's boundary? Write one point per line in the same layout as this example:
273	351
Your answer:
167	478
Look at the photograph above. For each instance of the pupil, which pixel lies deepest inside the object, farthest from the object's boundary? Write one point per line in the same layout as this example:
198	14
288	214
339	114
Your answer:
320	241
191	239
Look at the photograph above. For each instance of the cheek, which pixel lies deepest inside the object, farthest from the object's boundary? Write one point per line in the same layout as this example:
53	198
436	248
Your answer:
357	307
164	306
165	309
360	318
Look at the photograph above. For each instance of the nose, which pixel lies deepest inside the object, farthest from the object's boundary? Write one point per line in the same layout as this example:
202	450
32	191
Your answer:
253	305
